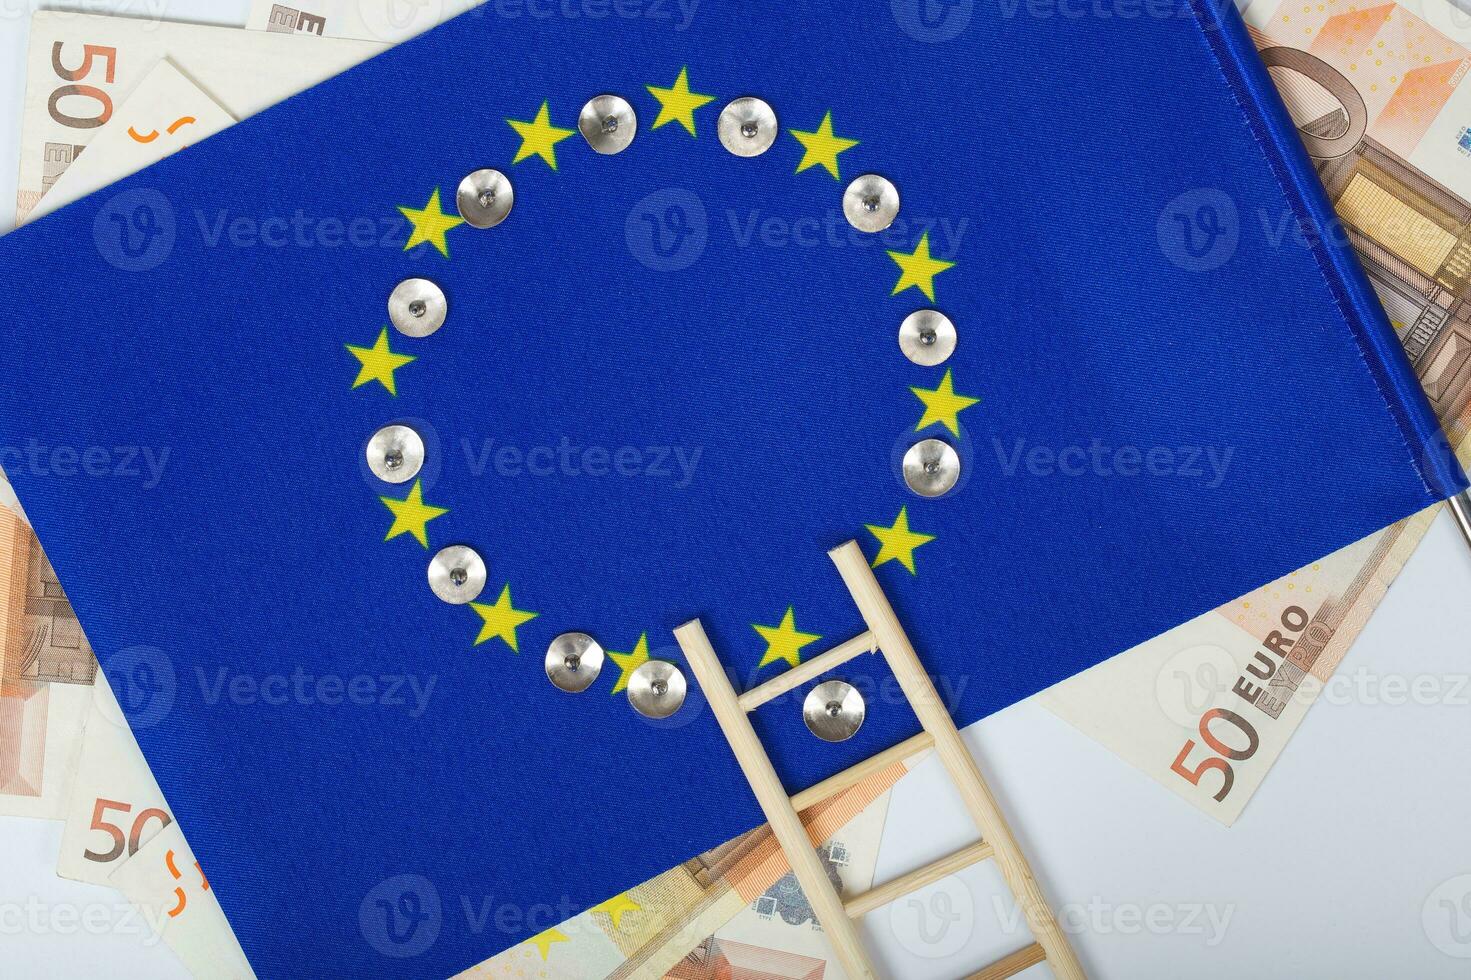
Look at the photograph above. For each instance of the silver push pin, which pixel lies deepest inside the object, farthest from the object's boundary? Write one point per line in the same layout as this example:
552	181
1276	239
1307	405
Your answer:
485	198
417	308
573	662
834	711
871	203
608	124
927	337
747	127
656	689
395	454
931	468
457	575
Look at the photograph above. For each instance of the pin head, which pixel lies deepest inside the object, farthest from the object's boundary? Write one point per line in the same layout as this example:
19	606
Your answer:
573	662
927	337
457	575
417	308
608	124
656	689
395	454
834	711
871	203
747	127
485	198
931	468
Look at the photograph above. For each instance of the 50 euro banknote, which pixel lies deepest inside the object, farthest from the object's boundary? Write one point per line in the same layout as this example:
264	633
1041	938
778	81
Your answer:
1379	96
387	21
80	68
654	929
46	674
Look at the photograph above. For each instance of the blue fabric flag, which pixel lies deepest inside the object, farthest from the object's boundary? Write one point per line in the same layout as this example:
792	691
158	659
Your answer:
667	384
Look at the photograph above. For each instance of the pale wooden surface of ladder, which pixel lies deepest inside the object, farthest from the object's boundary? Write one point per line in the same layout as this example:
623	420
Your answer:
837	916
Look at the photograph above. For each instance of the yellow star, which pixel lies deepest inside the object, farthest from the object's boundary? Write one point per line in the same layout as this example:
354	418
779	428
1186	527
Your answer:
543	942
784	642
617	908
898	542
678	103
430	224
411	515
822	147
629	662
920	269
501	620
943	405
378	363
539	138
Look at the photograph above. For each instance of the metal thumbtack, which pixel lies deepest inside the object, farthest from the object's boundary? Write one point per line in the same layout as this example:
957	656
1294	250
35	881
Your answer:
417	308
457	575
871	203
485	198
747	127
931	468
927	337
834	711
608	124
656	689
573	662
395	454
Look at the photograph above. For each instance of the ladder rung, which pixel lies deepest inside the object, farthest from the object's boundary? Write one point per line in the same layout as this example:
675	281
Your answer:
801	674
1010	966
849	778
908	884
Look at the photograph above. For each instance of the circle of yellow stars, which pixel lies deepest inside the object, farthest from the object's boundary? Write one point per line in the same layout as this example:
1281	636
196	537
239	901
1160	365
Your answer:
822	149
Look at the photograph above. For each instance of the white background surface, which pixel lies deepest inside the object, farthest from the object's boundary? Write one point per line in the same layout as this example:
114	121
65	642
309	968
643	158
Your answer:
1347	864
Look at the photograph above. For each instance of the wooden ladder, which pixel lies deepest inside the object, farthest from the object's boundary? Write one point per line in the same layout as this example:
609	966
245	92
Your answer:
838	917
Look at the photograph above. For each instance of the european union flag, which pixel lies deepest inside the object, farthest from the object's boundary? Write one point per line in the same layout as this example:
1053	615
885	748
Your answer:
663	316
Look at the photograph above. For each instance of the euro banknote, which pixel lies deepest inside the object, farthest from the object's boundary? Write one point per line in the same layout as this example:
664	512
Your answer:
114	806
392	21
1379	99
388	21
165	114
168	886
46	673
654	928
80	68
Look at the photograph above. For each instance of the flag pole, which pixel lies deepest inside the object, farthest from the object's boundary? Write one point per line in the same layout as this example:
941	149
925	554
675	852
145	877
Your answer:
1460	508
